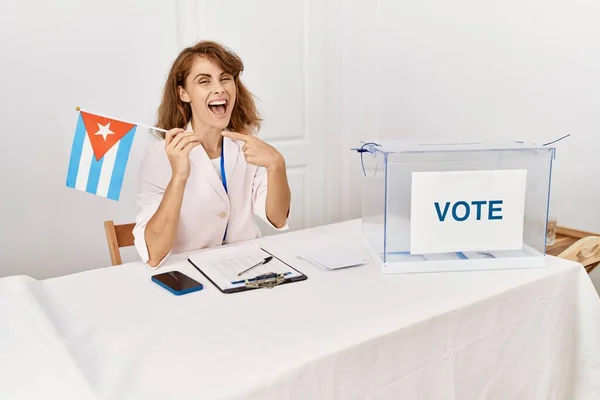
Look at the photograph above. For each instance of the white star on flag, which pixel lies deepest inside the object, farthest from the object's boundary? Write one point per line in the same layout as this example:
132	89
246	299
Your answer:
104	130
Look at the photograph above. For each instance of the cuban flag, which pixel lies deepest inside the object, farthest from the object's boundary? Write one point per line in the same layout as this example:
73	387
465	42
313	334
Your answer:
99	155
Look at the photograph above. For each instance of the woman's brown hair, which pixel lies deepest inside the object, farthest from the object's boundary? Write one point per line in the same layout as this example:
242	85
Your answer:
174	113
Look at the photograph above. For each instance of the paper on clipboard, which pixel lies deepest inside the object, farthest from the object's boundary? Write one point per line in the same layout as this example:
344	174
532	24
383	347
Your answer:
222	265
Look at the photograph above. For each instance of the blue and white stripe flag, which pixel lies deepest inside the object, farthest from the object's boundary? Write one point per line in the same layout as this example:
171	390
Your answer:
99	155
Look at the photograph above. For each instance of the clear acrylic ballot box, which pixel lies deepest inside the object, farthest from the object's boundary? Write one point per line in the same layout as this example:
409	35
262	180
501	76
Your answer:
430	207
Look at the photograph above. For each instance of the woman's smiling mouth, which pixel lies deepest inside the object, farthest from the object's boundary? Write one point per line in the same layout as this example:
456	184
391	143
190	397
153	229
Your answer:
218	107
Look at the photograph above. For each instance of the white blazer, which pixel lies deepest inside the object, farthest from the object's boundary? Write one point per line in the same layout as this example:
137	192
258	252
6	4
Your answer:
206	209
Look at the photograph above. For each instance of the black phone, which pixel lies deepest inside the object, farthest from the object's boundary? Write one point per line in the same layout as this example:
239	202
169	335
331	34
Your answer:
177	282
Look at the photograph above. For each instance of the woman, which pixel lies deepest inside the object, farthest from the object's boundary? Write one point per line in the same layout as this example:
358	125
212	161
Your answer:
201	186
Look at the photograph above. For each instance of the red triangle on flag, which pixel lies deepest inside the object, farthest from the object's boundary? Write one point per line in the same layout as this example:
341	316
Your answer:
104	132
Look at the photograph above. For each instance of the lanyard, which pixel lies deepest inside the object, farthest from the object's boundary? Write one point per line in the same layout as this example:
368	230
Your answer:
224	179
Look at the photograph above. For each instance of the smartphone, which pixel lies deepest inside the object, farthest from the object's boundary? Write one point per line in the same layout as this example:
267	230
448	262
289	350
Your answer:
177	282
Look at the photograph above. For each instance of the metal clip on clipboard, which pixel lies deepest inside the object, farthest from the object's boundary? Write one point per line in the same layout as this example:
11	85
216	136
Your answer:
267	281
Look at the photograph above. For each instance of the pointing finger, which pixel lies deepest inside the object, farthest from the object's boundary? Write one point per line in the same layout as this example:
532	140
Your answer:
235	136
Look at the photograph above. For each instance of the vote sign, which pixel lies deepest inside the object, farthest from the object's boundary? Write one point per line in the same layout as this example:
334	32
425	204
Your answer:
467	211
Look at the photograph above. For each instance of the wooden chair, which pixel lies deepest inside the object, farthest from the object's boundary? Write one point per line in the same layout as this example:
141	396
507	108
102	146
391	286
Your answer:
585	251
582	247
118	236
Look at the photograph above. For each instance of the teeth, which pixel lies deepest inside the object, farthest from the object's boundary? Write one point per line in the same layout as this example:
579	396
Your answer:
217	103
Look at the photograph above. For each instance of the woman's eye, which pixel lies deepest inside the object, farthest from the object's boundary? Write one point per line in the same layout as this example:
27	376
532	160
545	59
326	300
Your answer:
226	78
203	81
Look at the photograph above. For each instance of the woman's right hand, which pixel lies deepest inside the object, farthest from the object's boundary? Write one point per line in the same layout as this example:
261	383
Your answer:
178	145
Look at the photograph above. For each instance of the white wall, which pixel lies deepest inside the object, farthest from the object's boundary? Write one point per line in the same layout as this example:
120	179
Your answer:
520	69
110	57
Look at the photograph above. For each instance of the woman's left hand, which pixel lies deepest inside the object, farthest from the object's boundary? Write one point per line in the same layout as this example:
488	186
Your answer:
258	152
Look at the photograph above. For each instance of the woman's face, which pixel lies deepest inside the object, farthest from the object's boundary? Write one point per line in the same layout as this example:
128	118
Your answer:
211	94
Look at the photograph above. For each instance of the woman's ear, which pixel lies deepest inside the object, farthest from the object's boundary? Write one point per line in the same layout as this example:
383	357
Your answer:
183	96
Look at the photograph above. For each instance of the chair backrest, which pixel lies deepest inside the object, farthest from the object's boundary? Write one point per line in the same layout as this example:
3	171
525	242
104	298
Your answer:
585	251
118	236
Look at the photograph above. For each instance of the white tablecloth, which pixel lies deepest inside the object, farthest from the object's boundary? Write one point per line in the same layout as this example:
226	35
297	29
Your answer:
111	333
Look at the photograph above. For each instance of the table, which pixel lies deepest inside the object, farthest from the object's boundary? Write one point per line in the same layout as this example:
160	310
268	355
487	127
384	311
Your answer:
111	333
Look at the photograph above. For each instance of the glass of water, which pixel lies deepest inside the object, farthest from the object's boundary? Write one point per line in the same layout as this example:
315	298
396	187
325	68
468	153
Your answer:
551	231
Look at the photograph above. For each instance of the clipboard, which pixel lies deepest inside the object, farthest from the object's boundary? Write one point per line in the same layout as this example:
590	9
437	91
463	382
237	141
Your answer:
253	281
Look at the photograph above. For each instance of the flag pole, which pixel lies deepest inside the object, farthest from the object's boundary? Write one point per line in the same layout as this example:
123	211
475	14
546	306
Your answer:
133	123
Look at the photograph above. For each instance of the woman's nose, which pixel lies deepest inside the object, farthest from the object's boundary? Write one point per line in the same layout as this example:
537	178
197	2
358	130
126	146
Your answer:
218	89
